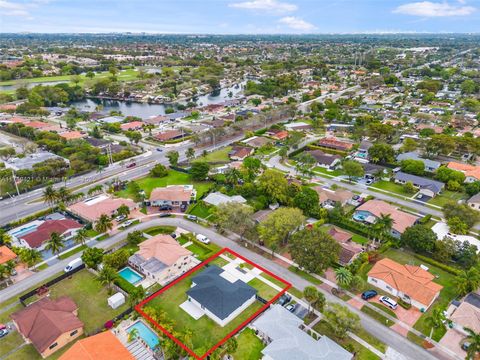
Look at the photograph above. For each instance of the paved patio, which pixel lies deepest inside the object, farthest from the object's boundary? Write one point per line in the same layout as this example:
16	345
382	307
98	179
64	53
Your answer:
232	273
191	309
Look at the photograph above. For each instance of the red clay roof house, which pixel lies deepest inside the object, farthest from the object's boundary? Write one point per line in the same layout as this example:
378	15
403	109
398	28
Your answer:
277	134
134	125
103	346
169	135
45	321
91	209
349	250
257	141
70	135
6	254
410	280
240	152
333	143
62	227
155	120
172	195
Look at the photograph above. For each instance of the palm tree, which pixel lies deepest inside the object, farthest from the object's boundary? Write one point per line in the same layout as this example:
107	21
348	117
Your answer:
190	154
435	320
30	256
474	339
10	266
55	243
50	195
133	334
64	195
123	210
3	272
104	223
311	294
231	345
384	224
106	276
343	276
136	295
232	176
467	281
81	237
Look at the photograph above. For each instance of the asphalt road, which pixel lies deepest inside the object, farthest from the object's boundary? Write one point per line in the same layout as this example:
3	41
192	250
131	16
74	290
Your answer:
386	335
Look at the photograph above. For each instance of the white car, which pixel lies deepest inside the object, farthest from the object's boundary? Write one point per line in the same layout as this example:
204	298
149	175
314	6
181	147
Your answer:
127	223
203	239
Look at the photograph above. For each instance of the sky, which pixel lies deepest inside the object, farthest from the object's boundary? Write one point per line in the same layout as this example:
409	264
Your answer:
240	16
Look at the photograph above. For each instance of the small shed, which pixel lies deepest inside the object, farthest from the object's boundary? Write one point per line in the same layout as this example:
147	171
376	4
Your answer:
116	300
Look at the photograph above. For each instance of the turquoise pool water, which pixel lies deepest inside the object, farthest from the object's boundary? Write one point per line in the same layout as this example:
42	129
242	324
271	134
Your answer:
361	215
130	275
145	333
25	230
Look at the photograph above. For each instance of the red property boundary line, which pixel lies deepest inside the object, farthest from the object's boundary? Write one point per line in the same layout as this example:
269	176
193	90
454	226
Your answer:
138	307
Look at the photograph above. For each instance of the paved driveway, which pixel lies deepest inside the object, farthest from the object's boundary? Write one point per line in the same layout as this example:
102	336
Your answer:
409	316
452	340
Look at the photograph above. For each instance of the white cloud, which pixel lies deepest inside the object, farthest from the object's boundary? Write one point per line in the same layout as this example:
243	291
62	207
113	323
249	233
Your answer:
8	8
272	6
434	9
296	23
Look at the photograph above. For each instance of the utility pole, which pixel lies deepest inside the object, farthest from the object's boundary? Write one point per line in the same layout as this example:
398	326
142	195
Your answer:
15	182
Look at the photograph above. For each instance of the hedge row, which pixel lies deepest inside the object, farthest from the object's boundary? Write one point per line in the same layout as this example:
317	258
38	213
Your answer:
438	264
327	150
124	285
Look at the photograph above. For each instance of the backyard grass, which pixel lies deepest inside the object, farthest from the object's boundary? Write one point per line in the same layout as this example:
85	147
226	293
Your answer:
265	291
304	275
173	178
447	196
206	333
447	294
220	155
201	210
203	251
249	346
10	342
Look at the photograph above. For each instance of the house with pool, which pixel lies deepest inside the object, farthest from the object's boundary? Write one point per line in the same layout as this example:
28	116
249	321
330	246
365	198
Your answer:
162	259
369	212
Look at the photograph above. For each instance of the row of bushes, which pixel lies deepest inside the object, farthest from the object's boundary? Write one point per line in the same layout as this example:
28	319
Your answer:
404	304
124	285
327	150
425	219
438	264
29	218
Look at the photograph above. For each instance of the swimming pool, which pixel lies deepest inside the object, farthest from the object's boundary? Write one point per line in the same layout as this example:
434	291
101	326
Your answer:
25	230
361	215
130	275
145	333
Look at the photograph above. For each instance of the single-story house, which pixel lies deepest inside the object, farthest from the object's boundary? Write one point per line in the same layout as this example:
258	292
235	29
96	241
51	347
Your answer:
162	259
92	208
472	172
370	211
286	340
298	126
27	162
72	135
261	215
426	186
217	198
430	165
239	153
35	234
328	198
155	120
133	125
277	134
474	202
173	195
111	119
410	283
349	249
169	135
6	254
327	161
334	143
104	346
465	314
257	141
219	298
49	324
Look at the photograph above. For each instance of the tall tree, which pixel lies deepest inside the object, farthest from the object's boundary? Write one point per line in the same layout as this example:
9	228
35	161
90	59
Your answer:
312	295
81	236
235	217
353	169
274	185
190	154
344	277
123	210
173	157
279	226
104	223
50	195
340	319
55	244
435	320
474	339
106	276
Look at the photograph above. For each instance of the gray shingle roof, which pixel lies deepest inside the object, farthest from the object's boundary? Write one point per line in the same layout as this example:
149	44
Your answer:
423	183
217	294
431	164
289	342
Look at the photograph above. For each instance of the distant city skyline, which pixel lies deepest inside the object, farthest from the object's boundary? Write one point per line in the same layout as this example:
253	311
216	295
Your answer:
240	16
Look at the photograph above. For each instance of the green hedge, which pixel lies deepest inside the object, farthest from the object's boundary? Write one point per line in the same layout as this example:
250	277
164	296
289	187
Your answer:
438	264
327	150
30	218
404	304
124	285
425	219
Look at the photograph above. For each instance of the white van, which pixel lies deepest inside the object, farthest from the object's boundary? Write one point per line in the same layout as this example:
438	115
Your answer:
72	265
392	304
203	239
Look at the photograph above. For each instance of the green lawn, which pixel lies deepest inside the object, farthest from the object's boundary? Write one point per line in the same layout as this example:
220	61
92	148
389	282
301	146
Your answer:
296	292
305	275
160	230
220	155
203	251
220	262
201	210
447	294
264	290
206	332
322	170
390	186
249	346
173	178
446	197
273	280
379	317
73	251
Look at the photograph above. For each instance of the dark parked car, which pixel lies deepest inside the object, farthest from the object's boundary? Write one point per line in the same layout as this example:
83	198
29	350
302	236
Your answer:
3	333
369	294
166	207
284	299
183	207
131	165
164	215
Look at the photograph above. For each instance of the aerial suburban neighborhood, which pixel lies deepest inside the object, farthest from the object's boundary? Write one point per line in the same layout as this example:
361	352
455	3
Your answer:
283	193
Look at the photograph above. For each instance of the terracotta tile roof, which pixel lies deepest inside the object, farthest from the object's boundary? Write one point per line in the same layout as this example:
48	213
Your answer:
6	254
93	208
460	167
334	143
240	152
401	220
70	135
340	196
45	320
164	248
131	125
348	252
410	279
43	232
171	193
104	346
339	235
168	135
467	315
